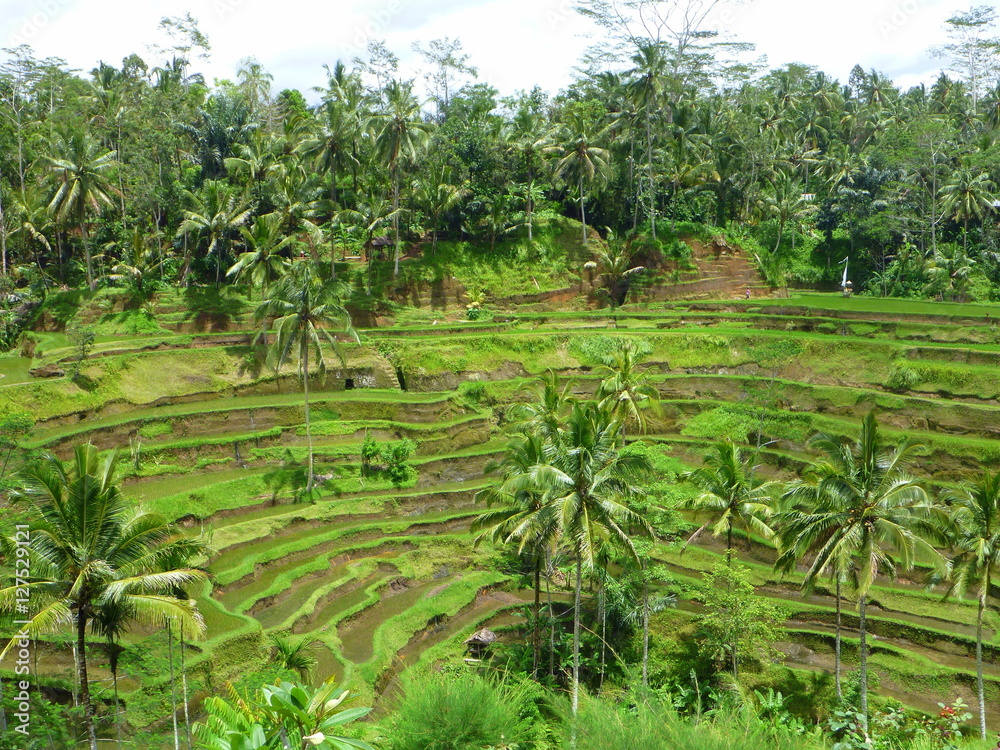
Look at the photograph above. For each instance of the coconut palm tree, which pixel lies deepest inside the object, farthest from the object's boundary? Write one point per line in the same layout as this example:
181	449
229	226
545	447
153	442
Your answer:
976	511
91	552
262	263
731	495
82	186
400	138
216	211
626	390
614	261
581	160
588	482
967	196
528	136
303	310
518	514
436	195
868	516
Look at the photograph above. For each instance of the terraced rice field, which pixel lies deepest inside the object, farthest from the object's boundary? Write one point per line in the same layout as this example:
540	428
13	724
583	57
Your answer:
384	576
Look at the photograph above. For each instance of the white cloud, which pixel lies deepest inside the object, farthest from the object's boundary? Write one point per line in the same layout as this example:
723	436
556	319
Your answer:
515	43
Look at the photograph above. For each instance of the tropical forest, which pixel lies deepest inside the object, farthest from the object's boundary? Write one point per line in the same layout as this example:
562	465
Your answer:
659	412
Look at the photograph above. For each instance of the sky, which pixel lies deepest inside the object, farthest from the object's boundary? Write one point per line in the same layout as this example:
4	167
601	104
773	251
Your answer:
515	44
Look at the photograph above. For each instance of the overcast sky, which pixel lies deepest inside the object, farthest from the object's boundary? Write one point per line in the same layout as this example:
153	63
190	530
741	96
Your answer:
514	43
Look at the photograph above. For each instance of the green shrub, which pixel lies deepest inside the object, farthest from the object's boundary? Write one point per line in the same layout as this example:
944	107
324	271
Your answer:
463	711
653	724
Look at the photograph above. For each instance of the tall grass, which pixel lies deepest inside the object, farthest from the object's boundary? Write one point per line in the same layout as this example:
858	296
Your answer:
464	712
654	725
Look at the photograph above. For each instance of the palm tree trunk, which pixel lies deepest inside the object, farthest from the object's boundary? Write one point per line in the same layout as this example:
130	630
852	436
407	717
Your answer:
184	694
552	618
645	635
583	211
538	613
862	602
395	218
86	253
88	707
173	692
979	664
604	635
309	439
836	647
3	253
576	640
649	164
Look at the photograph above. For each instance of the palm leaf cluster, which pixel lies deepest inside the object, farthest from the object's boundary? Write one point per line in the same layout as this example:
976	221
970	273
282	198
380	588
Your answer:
95	559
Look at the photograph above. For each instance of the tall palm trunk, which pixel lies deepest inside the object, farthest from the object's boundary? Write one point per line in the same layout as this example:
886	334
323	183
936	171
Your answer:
538	613
173	691
86	253
395	218
88	707
577	586
979	664
184	693
836	647
862	603
3	260
645	634
309	439
649	164
583	211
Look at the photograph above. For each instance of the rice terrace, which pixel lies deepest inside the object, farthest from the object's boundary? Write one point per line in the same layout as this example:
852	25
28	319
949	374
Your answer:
655	413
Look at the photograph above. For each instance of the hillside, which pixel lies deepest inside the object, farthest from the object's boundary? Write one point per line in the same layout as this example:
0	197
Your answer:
382	575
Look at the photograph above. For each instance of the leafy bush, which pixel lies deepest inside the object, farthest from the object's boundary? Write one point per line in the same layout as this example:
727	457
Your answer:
598	349
463	711
653	724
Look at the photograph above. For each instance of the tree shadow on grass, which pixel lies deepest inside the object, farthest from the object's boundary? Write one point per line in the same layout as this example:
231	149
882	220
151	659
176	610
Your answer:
213	309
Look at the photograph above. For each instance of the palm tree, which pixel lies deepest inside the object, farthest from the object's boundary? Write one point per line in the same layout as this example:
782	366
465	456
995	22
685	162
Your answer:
646	90
581	161
91	551
967	196
614	261
976	512
518	514
302	309
731	495
262	262
588	482
370	218
528	136
436	195
401	135
216	211
139	259
295	655
82	187
626	390
865	509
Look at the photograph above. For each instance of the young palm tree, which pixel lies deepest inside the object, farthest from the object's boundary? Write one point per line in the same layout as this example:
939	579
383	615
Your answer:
303	309
216	211
588	482
731	495
262	262
82	186
518	513
976	512
967	196
615	262
580	161
869	516
626	390
92	554
401	136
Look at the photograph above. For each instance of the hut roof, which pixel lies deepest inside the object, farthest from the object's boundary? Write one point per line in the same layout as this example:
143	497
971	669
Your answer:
383	241
482	637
